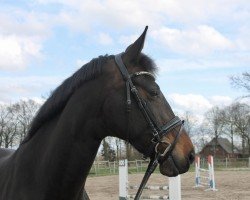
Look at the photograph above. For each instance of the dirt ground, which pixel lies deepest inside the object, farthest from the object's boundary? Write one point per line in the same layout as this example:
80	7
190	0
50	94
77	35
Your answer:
231	185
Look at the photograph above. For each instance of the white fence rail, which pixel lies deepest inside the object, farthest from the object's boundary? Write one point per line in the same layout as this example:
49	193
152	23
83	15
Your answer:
106	167
229	162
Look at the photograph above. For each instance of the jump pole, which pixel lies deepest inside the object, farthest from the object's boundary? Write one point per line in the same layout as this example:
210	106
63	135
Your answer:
174	186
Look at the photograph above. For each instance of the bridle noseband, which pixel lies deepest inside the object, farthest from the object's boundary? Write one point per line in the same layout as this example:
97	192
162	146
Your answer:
157	131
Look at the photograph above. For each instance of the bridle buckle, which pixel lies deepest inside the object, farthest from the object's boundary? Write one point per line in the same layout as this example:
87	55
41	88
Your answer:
166	149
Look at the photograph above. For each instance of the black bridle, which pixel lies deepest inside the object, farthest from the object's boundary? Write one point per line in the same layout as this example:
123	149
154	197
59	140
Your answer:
157	131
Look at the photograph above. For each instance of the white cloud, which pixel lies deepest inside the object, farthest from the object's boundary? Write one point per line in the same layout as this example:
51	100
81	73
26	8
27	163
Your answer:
15	51
196	28
221	100
190	102
130	13
117	15
199	12
243	39
105	39
194	37
212	62
201	40
196	104
111	13
22	34
15	88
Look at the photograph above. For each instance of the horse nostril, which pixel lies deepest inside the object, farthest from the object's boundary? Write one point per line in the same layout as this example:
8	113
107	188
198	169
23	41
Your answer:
191	157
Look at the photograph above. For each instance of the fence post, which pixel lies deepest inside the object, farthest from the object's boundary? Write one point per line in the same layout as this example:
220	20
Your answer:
175	188
137	169
211	172
123	179
95	167
249	162
197	171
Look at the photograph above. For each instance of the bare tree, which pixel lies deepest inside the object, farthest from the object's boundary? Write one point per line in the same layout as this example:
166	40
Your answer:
8	126
214	119
242	81
129	153
190	123
3	115
119	144
25	111
241	119
202	137
215	123
15	120
228	118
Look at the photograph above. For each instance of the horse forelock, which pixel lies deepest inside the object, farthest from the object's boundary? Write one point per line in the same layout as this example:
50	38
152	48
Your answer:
147	63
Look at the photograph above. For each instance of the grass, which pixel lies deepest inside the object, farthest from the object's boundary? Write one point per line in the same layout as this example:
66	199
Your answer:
132	170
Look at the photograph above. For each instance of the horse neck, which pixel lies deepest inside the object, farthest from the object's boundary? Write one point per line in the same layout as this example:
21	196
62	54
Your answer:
67	147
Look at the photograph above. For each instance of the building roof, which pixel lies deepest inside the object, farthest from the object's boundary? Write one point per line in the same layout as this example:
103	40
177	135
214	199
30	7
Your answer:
224	143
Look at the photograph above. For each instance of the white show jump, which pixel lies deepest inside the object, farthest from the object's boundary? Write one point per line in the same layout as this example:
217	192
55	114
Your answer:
207	177
174	187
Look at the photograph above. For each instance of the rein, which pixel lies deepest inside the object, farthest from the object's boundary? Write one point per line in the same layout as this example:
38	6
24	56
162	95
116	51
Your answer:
157	131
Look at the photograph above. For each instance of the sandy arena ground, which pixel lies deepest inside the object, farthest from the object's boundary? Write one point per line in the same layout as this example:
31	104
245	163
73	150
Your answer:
231	185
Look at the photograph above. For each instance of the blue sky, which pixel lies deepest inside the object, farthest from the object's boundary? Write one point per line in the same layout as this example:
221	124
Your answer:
196	44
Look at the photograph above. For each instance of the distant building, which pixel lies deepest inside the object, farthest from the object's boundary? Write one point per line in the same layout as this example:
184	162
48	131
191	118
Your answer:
220	148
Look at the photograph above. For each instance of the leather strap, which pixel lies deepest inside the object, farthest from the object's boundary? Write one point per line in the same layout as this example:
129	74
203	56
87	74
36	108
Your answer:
176	121
122	67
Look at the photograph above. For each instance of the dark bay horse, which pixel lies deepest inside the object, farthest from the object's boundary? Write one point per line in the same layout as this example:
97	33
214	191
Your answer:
53	161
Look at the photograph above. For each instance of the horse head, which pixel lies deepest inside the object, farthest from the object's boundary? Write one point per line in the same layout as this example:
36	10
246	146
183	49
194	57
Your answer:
136	110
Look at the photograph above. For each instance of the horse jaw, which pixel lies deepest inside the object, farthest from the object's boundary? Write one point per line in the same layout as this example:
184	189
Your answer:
171	167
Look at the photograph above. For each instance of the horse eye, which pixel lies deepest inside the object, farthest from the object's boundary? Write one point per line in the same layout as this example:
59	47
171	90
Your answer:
154	93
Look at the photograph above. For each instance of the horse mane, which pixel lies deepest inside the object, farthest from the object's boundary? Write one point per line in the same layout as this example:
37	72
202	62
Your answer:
60	96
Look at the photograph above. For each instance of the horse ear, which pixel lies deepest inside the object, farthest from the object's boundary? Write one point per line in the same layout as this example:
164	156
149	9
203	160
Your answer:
133	51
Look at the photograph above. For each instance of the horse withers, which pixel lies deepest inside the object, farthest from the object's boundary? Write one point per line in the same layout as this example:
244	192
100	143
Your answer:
109	96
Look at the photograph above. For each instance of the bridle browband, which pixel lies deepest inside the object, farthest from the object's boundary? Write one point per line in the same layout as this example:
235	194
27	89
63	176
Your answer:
157	131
